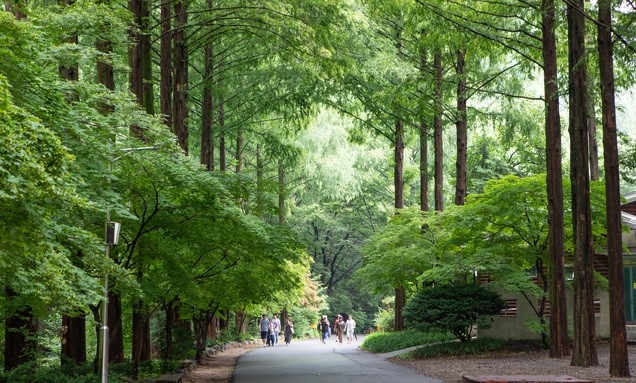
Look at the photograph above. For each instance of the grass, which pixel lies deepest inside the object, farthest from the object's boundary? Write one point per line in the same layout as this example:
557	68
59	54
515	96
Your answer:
380	342
479	346
435	344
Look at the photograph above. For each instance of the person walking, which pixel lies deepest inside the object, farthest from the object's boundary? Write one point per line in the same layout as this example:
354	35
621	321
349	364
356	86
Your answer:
263	324
324	327
289	331
350	326
275	329
336	320
340	329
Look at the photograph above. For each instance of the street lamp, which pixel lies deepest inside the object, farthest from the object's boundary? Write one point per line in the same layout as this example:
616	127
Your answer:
111	237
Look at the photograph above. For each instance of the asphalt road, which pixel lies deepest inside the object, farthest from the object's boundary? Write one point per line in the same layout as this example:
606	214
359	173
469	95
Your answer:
308	361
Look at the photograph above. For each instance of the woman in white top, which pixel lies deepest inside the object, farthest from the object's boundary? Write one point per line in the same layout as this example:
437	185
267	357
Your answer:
350	326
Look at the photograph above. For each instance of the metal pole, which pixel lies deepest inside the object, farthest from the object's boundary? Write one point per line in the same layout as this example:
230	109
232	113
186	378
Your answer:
103	360
105	330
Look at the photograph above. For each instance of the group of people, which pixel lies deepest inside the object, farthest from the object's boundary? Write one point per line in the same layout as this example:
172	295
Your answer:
341	326
270	329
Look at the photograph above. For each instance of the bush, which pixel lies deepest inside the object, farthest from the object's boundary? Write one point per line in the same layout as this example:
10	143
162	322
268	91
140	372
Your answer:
392	341
479	346
454	308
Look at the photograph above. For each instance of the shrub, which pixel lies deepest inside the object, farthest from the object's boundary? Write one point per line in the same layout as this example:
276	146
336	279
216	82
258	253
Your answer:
392	341
455	308
479	346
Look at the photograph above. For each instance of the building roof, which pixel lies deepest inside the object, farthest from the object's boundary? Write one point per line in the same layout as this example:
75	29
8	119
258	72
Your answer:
628	210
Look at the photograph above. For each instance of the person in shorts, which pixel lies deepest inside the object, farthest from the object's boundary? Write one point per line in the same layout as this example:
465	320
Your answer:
263	324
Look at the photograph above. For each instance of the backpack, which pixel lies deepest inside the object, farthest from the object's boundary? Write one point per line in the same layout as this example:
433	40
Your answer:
341	325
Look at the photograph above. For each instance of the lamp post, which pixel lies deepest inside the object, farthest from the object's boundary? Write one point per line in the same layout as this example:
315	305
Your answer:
111	238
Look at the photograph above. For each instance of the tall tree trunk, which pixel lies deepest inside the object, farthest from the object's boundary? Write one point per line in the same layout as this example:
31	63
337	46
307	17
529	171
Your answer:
116	335
398	183
423	165
584	351
165	67
180	89
207	112
423	144
559	345
170	315
137	61
222	151
140	337
281	192
437	134
239	151
260	203
619	362
20	331
593	142
74	339
73	348
146	60
462	130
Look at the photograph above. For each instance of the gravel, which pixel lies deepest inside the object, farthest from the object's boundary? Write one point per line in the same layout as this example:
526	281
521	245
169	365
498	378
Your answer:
518	362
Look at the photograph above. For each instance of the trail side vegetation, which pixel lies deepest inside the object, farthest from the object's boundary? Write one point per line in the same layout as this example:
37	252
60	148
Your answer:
303	157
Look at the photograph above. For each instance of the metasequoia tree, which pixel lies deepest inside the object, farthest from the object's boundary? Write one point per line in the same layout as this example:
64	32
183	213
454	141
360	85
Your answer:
484	21
559	343
619	363
584	347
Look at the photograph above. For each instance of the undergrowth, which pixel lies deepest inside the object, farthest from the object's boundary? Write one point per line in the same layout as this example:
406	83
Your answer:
380	342
479	346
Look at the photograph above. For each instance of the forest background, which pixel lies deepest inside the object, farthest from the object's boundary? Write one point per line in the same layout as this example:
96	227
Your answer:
255	151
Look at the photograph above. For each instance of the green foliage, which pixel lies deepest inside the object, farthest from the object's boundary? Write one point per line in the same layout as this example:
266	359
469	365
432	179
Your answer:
29	373
455	308
479	346
399	252
147	369
385	317
379	342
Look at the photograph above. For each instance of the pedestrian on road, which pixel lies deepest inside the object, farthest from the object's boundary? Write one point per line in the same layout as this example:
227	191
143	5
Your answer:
340	329
275	329
324	327
350	326
263	324
289	331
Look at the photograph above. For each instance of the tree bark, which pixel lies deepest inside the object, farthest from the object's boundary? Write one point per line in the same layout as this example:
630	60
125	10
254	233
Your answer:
116	335
20	331
222	151
180	89
559	345
437	134
619	362
207	112
73	348
398	182
74	339
165	66
423	165
137	60
281	192
593	142
462	130
140	337
584	350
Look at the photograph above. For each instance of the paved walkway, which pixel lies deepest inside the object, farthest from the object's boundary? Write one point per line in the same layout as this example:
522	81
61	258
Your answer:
309	361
